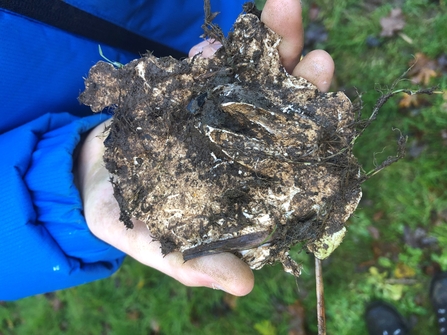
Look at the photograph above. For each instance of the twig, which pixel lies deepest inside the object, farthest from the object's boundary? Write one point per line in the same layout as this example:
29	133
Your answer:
210	30
385	97
320	298
401	142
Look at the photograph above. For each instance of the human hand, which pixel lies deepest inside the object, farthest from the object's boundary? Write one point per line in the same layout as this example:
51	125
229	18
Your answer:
224	271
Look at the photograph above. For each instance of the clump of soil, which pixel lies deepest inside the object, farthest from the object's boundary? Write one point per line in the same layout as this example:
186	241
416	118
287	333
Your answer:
229	154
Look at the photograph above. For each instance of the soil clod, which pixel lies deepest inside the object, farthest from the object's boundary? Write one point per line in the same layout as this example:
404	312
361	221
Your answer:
230	153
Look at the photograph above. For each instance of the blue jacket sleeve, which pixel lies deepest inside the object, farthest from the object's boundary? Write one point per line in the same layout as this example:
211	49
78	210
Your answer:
45	242
175	23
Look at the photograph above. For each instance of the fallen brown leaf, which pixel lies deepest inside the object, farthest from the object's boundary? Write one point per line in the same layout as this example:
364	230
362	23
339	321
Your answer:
230	300
409	100
314	12
378	215
392	23
385	249
423	69
297	320
374	232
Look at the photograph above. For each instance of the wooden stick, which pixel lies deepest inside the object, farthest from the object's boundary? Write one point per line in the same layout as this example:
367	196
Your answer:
320	297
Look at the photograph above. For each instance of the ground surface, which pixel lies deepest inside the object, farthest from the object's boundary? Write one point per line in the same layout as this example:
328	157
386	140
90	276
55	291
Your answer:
396	239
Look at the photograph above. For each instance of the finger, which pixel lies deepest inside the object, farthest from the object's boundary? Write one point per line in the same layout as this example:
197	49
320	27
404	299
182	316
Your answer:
206	49
318	68
284	18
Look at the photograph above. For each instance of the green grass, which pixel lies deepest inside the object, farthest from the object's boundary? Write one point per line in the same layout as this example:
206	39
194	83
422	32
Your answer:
410	193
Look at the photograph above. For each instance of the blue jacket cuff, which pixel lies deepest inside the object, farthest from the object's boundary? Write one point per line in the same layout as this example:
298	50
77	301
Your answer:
46	244
55	196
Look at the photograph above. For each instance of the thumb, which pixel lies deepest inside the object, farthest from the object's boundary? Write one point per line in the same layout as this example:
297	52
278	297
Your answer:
284	18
